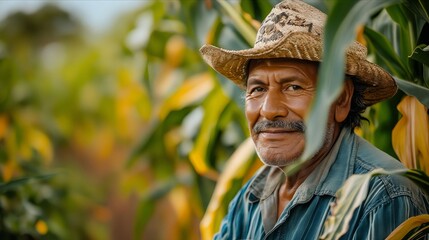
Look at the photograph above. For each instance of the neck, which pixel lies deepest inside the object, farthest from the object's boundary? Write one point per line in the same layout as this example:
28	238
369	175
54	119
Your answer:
291	183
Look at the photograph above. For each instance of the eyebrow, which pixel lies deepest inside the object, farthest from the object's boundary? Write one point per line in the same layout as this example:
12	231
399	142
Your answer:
256	81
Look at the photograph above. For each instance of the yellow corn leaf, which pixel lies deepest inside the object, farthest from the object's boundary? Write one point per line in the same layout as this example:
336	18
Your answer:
132	104
236	168
213	108
410	137
40	142
175	50
190	91
402	230
179	201
172	139
9	170
3	126
360	36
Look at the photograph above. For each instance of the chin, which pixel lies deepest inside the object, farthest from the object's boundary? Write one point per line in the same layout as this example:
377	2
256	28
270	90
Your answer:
277	160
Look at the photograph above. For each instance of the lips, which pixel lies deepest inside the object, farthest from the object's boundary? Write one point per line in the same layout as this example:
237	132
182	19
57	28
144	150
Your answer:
276	134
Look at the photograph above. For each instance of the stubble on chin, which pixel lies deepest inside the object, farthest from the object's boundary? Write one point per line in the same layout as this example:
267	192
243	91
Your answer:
272	158
276	158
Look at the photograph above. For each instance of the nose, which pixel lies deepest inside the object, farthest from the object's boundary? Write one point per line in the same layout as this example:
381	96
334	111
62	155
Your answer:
274	106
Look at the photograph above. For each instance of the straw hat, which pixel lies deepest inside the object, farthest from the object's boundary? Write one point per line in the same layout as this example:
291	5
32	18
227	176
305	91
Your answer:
294	29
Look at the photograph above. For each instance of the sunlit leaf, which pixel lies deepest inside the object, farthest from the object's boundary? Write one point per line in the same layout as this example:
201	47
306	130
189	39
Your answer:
246	30
402	230
192	90
149	200
410	137
236	169
40	142
3	125
214	105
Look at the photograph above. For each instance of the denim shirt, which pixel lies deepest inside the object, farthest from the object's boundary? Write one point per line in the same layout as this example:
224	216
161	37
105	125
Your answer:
391	199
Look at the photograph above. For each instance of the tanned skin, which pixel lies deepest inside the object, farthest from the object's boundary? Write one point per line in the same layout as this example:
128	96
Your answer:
282	90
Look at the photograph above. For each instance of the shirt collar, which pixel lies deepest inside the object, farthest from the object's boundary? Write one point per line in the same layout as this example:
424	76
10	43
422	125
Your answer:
326	178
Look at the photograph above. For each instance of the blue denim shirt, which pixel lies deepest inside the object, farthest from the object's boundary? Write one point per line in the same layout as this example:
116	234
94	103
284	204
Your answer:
391	198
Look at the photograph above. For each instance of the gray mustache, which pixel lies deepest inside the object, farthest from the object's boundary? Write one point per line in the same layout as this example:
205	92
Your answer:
282	124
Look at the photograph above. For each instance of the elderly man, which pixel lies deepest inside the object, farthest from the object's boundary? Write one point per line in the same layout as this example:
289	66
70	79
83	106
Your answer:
279	75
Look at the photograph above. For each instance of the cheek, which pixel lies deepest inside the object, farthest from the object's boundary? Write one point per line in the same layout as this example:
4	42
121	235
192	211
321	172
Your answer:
252	108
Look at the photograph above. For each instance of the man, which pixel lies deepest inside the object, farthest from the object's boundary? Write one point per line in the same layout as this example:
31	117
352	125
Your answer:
279	75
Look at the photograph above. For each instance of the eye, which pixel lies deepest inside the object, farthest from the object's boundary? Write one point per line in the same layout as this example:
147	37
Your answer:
256	90
293	88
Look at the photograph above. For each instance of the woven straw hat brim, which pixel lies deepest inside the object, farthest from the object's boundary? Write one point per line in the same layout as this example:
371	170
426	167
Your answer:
233	63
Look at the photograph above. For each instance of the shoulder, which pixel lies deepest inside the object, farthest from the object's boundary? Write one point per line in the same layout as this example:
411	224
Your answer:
387	188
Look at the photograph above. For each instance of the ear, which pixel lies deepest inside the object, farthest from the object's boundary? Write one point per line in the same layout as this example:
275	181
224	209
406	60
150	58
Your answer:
342	107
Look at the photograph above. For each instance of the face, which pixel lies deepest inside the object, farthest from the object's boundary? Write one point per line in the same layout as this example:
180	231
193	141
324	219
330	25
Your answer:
278	96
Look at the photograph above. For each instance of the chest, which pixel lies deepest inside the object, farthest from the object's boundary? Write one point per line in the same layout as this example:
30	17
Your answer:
299	220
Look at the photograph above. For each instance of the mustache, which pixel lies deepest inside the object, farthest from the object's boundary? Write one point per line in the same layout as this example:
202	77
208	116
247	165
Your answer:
282	124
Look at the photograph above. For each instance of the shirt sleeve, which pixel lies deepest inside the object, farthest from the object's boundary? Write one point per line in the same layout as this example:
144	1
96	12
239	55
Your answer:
385	210
225	231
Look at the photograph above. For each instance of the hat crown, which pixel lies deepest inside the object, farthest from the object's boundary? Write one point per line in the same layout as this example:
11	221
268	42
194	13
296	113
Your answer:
287	17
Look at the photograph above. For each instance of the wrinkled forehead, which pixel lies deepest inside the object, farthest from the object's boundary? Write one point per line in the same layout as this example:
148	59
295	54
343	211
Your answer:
311	67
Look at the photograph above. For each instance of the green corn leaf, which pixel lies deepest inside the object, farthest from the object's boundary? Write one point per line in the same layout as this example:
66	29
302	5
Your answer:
10	185
421	54
405	36
213	105
420	7
231	180
387	54
245	29
149	201
412	89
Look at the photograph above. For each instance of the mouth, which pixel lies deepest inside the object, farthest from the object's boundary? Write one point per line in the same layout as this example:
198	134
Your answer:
273	134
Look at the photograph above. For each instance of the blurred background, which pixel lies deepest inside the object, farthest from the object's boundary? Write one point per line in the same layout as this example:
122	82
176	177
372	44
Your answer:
101	103
113	127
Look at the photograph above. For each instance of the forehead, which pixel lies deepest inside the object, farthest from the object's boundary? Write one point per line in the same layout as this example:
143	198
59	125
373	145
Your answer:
308	68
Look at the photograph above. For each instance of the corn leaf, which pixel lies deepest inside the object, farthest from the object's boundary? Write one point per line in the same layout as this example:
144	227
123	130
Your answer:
387	54
245	29
411	89
420	7
410	137
236	168
189	92
405	39
15	183
214	105
402	230
421	54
